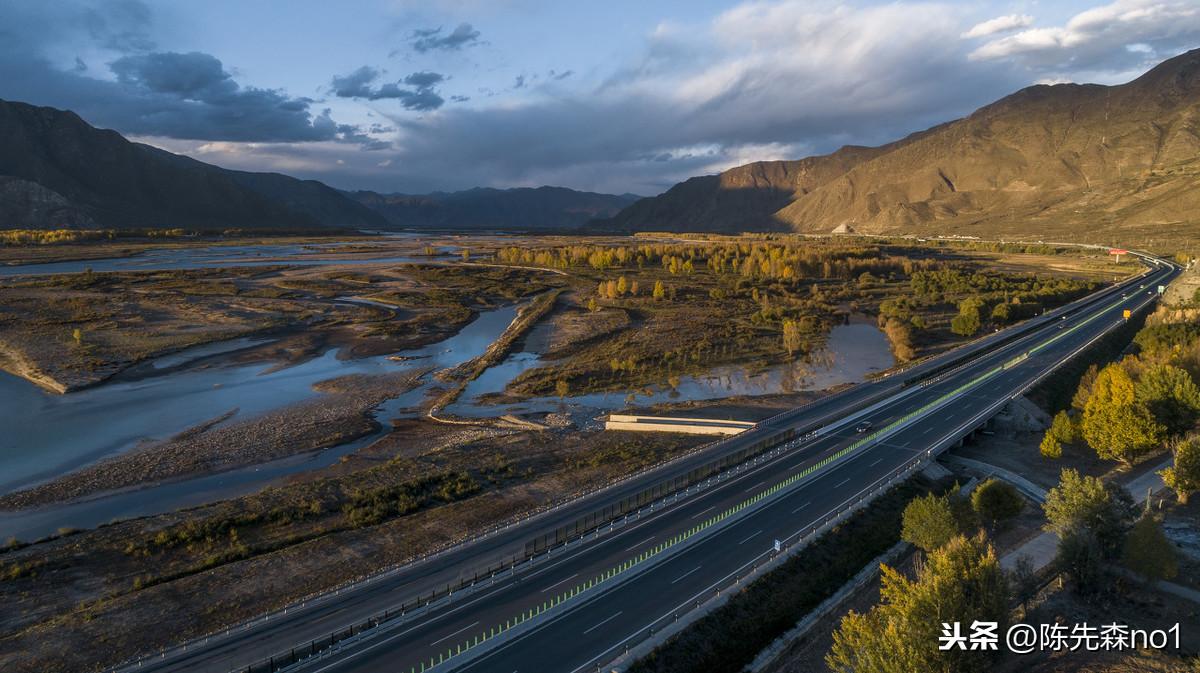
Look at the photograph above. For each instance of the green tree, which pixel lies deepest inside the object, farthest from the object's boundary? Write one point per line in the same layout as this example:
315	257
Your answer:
1002	313
960	582
996	501
967	322
1080	557
1085	503
929	521
1171	396
1148	552
1183	476
1114	423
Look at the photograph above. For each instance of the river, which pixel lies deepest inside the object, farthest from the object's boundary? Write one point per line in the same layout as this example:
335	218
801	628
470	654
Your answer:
46	435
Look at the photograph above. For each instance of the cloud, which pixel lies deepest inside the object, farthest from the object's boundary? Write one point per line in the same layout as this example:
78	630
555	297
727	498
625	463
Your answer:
139	90
1118	37
704	97
421	98
1000	24
432	39
424	80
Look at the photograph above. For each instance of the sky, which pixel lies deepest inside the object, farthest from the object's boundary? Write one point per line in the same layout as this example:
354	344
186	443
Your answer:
619	96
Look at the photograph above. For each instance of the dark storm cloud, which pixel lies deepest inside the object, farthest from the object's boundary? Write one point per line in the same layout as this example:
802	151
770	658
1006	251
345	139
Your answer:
424	80
432	39
152	93
421	98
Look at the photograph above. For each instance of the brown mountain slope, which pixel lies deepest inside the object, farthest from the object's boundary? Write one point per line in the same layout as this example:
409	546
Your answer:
744	198
57	171
1083	162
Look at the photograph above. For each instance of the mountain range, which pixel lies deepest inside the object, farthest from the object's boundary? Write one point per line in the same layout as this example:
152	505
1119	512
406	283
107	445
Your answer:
57	171
1077	161
1071	160
521	208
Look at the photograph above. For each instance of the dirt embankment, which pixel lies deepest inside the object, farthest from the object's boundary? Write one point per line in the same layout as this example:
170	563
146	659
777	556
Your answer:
341	414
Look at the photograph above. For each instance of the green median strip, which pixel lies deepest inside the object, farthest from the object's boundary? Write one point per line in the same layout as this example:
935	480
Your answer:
629	564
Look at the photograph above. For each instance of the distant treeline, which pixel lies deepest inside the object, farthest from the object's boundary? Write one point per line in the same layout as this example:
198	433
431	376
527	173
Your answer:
61	236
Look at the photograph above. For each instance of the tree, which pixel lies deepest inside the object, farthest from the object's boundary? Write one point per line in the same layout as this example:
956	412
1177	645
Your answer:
622	286
929	522
1081	559
1050	446
1148	552
1085	503
562	388
1064	429
77	335
960	582
996	501
1171	396
793	338
1114	424
1183	476
899	334
659	291
1001	313
967	322
1084	390
592	305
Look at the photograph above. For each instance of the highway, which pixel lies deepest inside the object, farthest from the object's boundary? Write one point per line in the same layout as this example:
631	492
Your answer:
595	595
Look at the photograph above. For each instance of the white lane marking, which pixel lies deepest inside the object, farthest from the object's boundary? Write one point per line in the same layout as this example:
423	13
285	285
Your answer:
755	486
881	460
844	482
453	634
638	544
685	574
927	430
750	536
560	582
603	623
697	516
801	507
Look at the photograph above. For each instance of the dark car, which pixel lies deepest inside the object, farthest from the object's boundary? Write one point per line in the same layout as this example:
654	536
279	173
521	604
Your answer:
863	427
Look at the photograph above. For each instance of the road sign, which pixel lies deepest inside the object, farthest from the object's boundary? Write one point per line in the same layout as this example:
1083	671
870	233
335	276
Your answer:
1162	289
1127	314
778	546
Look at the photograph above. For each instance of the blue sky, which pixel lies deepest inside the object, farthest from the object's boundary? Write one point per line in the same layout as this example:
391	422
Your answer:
408	96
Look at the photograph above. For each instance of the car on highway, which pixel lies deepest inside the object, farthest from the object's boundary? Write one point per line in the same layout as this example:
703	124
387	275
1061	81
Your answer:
863	427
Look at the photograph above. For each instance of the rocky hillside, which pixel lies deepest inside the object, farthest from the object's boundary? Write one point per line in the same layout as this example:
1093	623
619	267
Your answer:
57	171
1084	162
484	208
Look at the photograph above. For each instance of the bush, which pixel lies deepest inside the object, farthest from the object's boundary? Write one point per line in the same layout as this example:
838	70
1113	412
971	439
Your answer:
996	501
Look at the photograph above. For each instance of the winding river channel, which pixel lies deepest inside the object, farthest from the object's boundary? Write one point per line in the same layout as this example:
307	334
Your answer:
46	435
